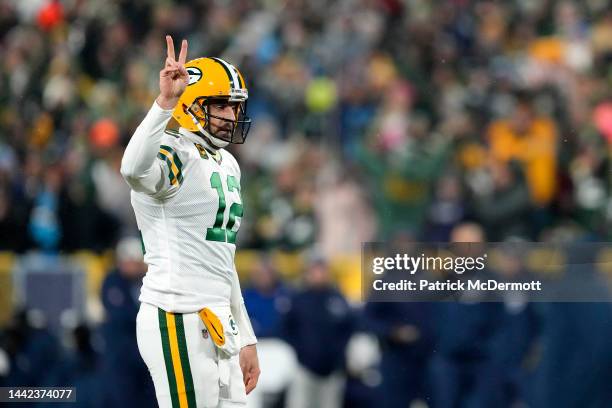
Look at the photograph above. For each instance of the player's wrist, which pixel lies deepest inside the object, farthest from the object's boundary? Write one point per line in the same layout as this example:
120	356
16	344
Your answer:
248	349
246	341
166	103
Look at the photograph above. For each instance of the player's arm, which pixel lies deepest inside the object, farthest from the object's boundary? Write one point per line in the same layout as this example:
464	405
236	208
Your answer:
249	363
139	166
247	335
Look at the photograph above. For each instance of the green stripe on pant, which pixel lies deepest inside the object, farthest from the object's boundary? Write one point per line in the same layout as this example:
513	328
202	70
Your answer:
163	327
182	344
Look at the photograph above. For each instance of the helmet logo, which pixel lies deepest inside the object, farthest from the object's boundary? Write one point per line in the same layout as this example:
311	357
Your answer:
194	75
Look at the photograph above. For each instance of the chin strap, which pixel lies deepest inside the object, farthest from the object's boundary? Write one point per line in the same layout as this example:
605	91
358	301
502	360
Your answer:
214	142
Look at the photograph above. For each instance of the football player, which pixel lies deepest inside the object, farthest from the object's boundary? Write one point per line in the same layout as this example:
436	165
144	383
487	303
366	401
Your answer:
193	330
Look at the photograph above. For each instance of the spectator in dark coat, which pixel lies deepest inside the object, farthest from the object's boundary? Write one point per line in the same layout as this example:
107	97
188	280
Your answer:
318	324
463	369
404	333
125	377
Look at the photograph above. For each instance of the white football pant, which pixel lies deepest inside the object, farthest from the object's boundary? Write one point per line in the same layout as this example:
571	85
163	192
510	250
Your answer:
188	370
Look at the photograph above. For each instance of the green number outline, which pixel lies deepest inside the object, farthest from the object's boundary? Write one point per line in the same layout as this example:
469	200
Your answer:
236	210
217	232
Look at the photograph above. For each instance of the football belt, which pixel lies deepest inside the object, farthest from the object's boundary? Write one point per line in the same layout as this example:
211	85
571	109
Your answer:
213	325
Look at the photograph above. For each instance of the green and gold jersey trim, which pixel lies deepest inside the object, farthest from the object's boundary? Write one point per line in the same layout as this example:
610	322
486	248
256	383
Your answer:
167	154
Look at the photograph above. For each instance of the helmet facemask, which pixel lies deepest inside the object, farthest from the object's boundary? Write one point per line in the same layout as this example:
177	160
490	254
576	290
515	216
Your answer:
238	128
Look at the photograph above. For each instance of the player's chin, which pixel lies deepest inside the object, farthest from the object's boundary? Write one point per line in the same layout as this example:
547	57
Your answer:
223	135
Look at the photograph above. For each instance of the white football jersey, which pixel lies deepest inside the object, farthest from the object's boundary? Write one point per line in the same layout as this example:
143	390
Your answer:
189	227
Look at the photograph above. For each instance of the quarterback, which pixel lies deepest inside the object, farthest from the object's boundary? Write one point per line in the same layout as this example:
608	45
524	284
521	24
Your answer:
193	330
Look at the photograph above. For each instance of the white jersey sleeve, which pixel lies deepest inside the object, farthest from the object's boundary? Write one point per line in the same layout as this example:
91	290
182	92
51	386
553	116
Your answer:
247	335
147	164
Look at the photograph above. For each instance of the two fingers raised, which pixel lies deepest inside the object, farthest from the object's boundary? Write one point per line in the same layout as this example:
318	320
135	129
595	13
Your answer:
170	50
172	67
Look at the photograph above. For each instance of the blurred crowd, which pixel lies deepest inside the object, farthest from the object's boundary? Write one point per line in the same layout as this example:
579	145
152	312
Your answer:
373	120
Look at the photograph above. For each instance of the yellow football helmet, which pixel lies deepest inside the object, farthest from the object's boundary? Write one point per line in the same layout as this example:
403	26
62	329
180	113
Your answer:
213	80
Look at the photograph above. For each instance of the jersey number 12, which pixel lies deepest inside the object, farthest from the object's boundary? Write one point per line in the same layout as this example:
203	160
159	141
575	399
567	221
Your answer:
218	232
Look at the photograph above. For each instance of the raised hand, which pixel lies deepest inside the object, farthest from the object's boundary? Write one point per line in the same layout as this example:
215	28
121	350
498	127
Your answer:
173	78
